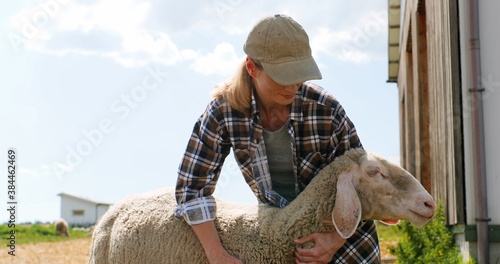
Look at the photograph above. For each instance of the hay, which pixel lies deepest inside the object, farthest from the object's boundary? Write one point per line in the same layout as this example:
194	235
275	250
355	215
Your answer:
74	251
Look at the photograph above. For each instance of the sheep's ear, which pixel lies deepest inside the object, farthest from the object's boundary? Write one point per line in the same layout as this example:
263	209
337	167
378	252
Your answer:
346	213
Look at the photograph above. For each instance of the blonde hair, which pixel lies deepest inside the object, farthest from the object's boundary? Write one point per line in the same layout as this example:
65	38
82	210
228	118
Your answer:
238	89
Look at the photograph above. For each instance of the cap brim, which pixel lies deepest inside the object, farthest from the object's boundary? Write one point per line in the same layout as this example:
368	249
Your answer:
293	72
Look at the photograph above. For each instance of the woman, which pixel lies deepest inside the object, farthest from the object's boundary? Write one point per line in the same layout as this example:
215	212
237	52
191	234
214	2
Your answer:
282	132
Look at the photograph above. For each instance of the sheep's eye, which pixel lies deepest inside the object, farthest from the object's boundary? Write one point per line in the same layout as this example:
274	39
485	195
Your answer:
372	172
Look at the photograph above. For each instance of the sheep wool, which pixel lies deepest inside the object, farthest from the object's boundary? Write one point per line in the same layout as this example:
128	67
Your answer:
143	229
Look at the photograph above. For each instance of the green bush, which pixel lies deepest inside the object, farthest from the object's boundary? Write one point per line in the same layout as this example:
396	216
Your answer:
432	243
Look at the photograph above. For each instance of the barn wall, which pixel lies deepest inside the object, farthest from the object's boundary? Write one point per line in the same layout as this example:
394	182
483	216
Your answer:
490	67
429	83
68	205
435	110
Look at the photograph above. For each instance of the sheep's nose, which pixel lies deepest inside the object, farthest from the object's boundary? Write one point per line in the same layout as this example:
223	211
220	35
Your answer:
430	204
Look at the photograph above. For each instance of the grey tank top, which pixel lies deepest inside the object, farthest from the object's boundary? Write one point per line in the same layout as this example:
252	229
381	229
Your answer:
279	156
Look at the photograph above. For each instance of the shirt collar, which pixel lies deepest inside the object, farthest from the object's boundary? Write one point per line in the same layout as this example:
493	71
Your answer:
296	113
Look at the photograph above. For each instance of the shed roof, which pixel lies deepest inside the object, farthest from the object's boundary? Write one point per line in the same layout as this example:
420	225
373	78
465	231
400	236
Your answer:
394	24
85	199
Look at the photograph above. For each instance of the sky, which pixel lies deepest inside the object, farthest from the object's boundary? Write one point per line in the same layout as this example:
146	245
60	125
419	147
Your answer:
99	97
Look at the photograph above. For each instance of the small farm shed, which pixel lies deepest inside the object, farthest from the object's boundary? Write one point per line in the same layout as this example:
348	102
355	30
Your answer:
80	211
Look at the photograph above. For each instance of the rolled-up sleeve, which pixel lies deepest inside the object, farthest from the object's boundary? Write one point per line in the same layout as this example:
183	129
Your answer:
198	210
200	168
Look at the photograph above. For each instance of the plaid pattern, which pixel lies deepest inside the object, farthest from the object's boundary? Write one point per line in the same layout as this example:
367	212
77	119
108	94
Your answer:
320	131
362	247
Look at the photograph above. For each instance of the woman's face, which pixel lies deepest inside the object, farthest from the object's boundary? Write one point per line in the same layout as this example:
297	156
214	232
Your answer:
269	92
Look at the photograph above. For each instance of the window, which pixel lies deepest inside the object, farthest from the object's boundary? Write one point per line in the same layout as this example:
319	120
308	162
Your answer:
78	212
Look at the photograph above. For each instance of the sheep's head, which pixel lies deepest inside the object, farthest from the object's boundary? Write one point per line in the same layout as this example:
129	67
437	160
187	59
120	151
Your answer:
377	189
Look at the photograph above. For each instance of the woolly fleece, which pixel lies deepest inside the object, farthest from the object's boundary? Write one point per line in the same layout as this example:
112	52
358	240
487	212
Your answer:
143	229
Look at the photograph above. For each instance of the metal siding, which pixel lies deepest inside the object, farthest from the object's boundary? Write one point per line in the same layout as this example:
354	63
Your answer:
69	204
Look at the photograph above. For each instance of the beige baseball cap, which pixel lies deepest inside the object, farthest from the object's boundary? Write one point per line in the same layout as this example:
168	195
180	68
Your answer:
281	45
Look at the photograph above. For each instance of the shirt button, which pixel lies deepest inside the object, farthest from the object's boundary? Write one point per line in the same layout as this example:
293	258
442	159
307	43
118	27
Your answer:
255	141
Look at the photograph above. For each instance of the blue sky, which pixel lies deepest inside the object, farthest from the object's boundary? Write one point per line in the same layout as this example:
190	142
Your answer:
99	97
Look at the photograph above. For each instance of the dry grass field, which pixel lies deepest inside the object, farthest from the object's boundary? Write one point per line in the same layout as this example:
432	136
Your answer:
66	252
71	252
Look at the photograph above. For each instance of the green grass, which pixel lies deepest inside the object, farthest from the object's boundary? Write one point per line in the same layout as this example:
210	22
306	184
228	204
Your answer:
387	233
36	233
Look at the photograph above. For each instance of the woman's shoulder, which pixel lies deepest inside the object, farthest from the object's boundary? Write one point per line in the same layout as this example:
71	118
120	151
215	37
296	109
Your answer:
220	108
313	93
217	103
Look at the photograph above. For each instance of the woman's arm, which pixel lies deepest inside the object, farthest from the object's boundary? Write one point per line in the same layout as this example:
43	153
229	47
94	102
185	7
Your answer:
200	167
207	148
210	241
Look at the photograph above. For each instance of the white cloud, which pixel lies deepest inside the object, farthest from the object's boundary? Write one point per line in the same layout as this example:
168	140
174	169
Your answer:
339	45
223	60
140	48
120	16
352	44
134	33
121	20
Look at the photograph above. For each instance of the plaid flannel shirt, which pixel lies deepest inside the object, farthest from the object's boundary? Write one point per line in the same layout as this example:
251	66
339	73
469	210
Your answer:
320	131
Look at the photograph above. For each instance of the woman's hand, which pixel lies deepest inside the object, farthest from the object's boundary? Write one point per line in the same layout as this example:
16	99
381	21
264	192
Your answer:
210	241
325	246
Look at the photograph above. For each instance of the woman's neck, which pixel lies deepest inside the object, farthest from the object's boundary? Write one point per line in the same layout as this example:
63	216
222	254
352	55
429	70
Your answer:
273	118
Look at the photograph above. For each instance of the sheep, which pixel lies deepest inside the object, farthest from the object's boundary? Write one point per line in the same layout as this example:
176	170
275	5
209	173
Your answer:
143	228
62	227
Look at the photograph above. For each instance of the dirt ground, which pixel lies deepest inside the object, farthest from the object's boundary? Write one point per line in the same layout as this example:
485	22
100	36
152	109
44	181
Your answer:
66	252
386	256
74	252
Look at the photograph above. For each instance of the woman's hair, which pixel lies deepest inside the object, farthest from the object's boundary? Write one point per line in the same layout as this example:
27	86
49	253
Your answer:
238	89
